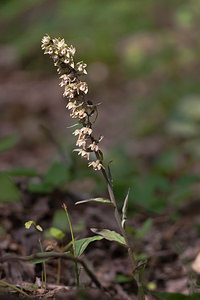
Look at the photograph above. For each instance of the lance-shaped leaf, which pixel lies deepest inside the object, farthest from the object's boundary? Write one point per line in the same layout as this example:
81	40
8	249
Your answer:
81	245
110	235
101	200
124	209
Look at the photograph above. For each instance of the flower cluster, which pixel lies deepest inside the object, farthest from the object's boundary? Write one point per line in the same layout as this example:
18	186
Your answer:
75	91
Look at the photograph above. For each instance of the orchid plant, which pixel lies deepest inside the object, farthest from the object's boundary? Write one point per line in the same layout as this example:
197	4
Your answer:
88	145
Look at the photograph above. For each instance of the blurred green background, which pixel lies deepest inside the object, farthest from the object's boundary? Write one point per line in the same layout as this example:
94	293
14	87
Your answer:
143	65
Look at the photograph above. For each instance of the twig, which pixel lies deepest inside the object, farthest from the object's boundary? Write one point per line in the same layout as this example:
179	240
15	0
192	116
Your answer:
58	255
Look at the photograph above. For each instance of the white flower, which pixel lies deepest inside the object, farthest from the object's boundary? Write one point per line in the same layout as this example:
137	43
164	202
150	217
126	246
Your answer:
79	113
66	79
61	44
94	147
96	165
71	105
81	67
69	90
45	41
83	87
77	132
67	60
81	143
86	130
84	154
72	50
63	51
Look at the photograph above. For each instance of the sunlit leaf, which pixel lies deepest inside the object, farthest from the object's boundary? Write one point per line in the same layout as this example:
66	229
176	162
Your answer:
101	200
124	209
60	220
56	233
38	227
29	223
110	235
81	245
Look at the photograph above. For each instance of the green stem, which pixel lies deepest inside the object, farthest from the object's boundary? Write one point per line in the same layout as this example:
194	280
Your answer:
73	244
59	271
117	216
44	265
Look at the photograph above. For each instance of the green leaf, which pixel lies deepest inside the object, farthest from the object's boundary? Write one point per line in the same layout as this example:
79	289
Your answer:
110	235
56	175
56	233
101	200
141	256
43	259
121	278
23	171
81	245
176	296
39	228
8	190
29	223
141	232
39	188
8	142
60	220
124	209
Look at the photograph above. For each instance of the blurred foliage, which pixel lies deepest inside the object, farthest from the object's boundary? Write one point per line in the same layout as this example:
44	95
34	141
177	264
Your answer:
153	46
56	176
9	191
131	31
8	142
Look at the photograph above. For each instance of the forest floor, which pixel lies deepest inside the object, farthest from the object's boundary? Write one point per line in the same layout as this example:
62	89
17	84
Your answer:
171	246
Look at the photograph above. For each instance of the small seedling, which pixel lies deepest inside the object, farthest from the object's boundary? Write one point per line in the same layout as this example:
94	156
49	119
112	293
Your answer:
38	229
85	112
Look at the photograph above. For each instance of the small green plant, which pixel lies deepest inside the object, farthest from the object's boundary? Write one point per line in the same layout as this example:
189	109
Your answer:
86	113
38	229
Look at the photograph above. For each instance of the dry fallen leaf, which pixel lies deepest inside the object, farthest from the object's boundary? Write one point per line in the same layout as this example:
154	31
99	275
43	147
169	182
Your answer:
196	264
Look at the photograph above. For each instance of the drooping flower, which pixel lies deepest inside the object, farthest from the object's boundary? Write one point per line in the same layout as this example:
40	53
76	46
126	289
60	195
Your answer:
93	147
86	130
84	154
97	165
